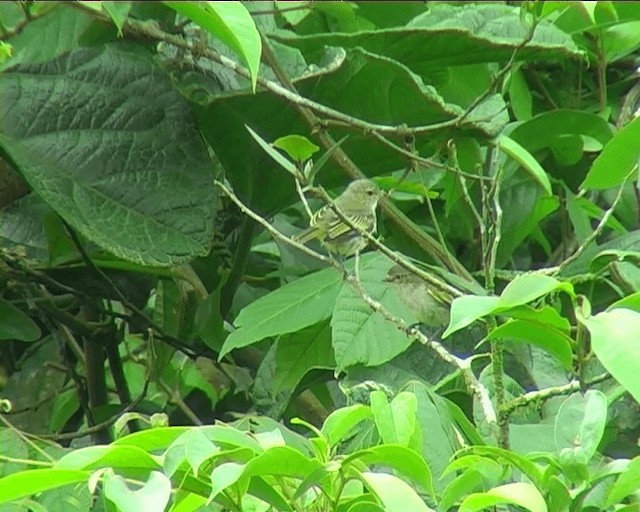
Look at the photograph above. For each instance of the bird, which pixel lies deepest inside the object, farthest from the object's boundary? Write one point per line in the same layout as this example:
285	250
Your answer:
429	305
358	204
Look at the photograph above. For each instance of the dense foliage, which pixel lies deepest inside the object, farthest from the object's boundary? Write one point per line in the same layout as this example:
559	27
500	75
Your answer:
166	345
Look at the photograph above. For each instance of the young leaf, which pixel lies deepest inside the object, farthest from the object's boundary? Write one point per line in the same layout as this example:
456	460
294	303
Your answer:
298	148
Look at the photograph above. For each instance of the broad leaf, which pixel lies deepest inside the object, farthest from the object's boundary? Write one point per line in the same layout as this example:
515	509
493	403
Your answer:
618	158
232	24
299	304
522	494
15	325
104	139
613	338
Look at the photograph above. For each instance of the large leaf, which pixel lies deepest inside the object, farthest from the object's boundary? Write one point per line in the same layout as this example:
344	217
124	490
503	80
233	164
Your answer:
299	304
526	288
153	495
526	160
450	35
53	34
395	494
613	338
617	160
361	335
522	494
537	333
33	481
231	23
103	138
16	325
581	421
546	129
395	96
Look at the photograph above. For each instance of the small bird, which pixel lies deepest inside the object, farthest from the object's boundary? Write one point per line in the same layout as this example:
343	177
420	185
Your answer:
429	305
358	204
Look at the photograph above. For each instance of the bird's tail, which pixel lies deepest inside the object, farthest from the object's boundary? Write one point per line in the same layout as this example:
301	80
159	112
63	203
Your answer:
308	234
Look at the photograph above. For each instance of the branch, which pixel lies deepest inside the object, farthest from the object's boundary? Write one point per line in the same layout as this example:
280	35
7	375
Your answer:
464	365
545	394
600	227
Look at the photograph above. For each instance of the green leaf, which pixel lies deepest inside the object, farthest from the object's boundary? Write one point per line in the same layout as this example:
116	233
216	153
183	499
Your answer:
522	494
450	35
618	158
102	169
118	12
64	407
15	325
223	476
282	461
613	339
342	421
511	148
620	40
292	307
518	461
467	309
114	456
526	288
520	96
394	494
232	24
50	36
153	439
300	352
581	421
544	336
361	335
194	447
627	483
298	148
404	460
153	495
284	163
529	287
33	481
547	129
396	422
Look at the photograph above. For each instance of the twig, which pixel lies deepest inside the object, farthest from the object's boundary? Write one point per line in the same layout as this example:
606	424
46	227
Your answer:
497	79
596	232
122	297
303	199
95	428
175	398
545	394
393	256
464	365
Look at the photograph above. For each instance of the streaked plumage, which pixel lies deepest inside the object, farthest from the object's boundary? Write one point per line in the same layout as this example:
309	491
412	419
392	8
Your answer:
358	203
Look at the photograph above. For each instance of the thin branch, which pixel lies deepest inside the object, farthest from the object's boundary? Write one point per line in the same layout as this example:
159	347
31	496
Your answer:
545	394
596	232
95	428
497	79
464	365
393	256
303	199
175	398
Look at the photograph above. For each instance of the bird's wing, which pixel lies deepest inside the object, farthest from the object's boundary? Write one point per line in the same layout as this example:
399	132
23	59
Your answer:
339	228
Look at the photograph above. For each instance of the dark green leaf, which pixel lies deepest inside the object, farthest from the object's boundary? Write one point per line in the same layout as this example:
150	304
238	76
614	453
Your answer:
118	124
15	325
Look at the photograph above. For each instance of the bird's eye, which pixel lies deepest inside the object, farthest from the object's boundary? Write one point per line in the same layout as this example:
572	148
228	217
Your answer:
370	192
